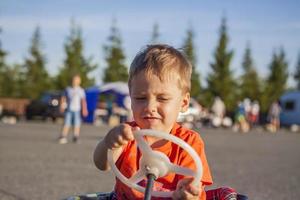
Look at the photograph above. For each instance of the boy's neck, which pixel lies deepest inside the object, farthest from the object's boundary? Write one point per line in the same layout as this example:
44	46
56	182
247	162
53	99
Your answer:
156	142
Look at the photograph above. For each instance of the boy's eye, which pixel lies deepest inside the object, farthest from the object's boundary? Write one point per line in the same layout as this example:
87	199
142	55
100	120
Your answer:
163	98
139	98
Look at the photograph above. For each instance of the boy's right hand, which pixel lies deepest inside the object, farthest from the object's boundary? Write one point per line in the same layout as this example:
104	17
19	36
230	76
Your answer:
185	190
119	136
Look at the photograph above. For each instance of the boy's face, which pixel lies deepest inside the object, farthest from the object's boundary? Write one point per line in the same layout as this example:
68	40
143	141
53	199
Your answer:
76	81
155	103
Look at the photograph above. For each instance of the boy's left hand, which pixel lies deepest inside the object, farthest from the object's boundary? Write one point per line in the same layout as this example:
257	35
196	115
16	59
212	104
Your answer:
185	190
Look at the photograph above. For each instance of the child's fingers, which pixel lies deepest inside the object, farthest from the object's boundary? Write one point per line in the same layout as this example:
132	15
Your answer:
176	195
128	132
118	144
193	190
123	136
120	136
135	128
115	137
185	182
121	140
183	195
111	144
185	189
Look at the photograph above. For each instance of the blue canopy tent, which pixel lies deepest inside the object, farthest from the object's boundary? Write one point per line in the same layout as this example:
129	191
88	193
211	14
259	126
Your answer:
118	89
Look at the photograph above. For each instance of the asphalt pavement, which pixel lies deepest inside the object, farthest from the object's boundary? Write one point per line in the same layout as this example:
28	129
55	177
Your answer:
34	166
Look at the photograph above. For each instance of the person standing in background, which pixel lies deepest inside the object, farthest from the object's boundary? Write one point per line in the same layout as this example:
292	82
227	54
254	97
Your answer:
274	116
73	104
218	110
254	114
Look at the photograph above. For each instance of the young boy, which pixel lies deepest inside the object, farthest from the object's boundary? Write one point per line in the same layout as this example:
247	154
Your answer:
74	99
159	85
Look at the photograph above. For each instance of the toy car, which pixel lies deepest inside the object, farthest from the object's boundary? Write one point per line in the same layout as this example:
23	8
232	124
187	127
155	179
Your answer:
155	164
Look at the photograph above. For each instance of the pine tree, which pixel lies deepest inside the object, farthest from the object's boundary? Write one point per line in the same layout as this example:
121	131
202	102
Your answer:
36	75
220	80
15	82
297	73
249	87
75	61
189	50
277	79
155	34
12	80
3	67
116	69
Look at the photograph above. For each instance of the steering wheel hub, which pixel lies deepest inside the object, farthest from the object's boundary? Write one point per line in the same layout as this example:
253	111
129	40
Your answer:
155	163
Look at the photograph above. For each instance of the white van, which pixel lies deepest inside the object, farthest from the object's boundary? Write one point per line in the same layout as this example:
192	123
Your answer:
290	104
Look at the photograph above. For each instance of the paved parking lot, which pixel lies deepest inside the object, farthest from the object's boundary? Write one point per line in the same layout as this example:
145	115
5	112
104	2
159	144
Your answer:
34	166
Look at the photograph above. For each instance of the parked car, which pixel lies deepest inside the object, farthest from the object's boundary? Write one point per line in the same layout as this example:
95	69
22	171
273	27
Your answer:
45	107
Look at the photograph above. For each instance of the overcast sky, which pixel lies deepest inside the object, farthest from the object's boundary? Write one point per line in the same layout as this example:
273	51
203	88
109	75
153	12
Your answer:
266	24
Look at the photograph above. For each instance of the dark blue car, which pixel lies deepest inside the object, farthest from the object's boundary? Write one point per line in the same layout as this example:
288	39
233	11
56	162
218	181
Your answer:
45	107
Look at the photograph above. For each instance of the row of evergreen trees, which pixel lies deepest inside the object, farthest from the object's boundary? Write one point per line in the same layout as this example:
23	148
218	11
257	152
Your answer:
31	78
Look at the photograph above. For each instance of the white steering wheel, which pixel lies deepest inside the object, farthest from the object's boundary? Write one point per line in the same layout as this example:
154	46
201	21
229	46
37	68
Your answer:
157	163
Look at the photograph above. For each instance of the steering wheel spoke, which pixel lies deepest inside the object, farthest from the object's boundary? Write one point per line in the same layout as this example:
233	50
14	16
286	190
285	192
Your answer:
181	170
137	177
142	144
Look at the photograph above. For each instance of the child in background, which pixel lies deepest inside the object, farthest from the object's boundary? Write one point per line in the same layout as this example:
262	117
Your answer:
274	116
73	104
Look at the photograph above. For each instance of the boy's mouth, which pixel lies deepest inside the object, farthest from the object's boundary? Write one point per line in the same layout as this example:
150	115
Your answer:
150	118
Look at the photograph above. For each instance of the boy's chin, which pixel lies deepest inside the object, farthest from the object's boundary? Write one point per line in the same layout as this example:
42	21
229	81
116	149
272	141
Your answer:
156	128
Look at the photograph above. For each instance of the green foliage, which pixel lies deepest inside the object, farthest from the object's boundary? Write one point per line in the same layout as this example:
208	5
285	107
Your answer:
75	61
189	50
297	73
220	81
276	81
116	69
36	75
3	67
12	80
250	83
15	82
2	55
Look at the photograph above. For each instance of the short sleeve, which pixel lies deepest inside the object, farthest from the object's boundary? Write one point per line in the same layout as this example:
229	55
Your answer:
206	178
82	94
186	160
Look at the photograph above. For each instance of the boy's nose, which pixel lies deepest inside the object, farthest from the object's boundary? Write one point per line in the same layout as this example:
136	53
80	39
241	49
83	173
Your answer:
150	106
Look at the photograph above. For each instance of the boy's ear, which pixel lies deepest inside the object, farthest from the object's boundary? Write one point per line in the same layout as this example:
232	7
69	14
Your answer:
185	102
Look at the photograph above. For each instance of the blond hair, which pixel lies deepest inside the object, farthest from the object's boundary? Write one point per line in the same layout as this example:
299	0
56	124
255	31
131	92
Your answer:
163	61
